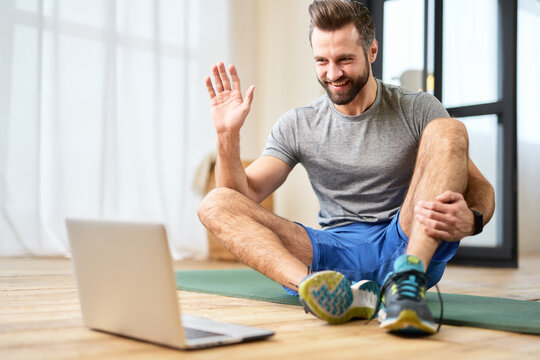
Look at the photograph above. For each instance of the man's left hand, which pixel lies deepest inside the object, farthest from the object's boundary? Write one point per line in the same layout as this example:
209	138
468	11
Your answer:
447	218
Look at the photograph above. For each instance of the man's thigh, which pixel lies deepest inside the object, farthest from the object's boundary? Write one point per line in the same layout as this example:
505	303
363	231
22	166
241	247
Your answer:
430	141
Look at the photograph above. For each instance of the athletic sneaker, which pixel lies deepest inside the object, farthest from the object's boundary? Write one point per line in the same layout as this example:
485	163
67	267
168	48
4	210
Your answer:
404	308
329	296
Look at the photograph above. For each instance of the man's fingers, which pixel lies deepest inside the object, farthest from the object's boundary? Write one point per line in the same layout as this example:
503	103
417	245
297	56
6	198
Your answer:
432	205
434	228
437	234
432	223
249	96
435	215
210	88
217	78
235	78
224	77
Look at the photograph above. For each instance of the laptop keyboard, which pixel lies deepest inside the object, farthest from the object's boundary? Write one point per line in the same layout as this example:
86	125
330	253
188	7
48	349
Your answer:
192	333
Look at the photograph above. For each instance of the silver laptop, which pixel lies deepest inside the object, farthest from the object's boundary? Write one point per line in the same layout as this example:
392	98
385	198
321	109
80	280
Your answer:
127	287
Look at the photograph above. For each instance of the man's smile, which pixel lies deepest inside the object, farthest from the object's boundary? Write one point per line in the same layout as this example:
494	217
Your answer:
338	84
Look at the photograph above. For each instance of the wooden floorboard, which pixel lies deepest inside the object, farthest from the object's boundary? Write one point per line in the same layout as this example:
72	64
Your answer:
40	319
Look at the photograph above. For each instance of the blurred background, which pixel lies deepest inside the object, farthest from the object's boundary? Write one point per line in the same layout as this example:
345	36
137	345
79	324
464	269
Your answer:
104	112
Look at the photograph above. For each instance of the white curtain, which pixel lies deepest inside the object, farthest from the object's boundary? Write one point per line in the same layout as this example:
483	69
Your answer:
103	114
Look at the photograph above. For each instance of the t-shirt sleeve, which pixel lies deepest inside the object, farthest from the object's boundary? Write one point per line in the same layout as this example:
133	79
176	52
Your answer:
281	141
426	108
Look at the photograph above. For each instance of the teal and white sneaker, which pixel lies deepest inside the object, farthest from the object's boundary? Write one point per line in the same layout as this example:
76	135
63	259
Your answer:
404	308
329	296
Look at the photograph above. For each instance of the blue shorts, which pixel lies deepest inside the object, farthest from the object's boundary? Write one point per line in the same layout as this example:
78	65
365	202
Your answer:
367	251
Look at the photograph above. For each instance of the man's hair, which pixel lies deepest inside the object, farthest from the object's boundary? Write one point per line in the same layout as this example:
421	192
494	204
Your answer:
330	15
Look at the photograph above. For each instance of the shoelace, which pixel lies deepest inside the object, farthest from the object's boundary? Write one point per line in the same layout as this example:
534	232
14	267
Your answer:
407	284
410	288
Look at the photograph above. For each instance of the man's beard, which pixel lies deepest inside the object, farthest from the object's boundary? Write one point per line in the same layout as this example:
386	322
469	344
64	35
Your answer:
356	84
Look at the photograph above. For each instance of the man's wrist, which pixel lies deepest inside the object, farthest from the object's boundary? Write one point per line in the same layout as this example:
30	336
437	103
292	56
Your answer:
228	136
228	143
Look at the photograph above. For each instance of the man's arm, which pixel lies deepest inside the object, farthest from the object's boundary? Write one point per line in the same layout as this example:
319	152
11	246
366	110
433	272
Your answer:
229	111
449	217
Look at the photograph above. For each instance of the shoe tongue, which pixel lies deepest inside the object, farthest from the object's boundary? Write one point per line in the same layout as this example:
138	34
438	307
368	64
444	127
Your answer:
408	262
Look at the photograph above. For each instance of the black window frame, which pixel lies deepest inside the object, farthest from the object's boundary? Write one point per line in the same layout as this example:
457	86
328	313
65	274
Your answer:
505	254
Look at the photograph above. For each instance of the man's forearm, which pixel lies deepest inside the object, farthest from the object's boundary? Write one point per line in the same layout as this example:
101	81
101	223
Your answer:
229	170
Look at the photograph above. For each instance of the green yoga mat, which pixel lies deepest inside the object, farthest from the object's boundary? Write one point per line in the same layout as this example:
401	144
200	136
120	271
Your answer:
464	310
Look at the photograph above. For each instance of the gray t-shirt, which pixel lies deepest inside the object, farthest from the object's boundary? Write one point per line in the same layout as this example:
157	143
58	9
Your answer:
360	166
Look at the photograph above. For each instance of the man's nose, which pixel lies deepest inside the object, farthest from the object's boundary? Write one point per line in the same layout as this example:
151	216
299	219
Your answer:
334	72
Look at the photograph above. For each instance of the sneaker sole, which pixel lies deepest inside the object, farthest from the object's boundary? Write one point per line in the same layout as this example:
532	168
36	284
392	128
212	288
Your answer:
329	296
408	322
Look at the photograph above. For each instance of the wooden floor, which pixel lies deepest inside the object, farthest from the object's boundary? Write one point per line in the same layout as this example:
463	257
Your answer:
40	319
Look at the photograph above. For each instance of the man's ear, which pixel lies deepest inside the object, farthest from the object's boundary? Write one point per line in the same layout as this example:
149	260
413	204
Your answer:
373	49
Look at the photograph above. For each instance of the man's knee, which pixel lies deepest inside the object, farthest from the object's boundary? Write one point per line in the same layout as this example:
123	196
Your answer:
448	133
214	203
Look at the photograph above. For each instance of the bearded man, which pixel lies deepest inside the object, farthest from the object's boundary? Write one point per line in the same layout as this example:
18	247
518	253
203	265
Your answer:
390	168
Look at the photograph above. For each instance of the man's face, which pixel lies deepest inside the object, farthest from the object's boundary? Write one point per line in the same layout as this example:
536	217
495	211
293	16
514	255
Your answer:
341	62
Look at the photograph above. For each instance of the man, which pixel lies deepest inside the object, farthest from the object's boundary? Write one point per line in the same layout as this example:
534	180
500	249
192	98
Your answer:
391	170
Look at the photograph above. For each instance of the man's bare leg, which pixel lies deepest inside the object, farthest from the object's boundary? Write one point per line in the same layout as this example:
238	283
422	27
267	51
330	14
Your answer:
274	246
441	165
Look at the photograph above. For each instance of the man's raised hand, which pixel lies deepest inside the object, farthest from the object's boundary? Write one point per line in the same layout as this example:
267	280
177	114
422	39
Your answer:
228	109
